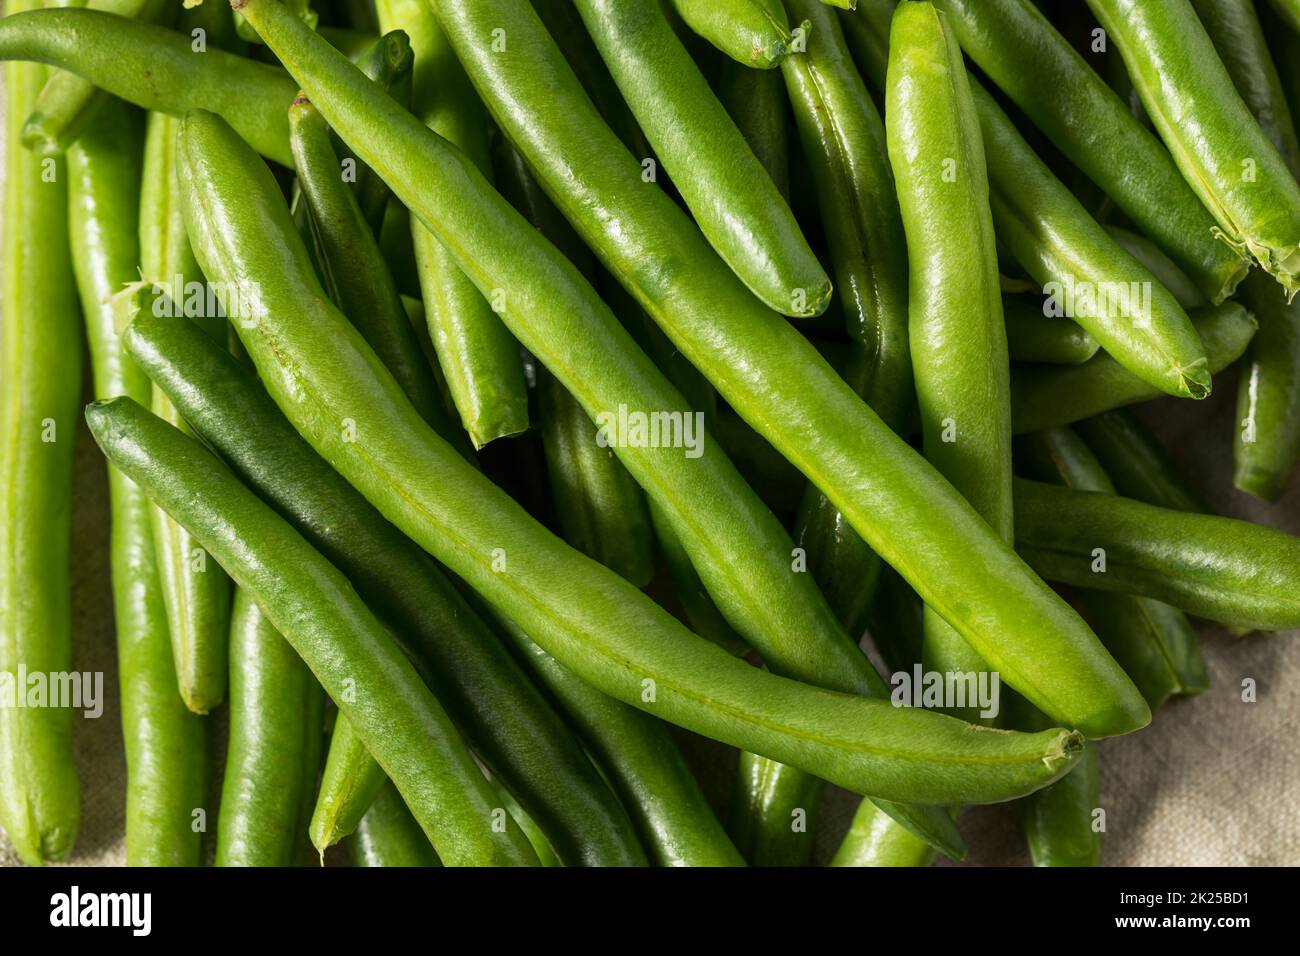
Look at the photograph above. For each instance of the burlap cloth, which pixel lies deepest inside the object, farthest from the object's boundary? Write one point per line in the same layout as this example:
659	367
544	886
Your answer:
1212	781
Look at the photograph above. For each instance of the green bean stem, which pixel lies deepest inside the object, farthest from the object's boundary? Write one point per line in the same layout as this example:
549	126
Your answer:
40	388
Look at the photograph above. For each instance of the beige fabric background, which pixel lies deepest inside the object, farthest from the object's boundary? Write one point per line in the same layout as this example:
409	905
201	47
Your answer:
1212	781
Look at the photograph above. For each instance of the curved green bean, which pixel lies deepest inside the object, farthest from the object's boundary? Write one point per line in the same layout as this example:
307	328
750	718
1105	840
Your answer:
874	840
506	720
756	102
1138	465
1224	155
774	810
319	614
68	101
273	754
898	503
349	784
1095	129
478	355
1057	820
1046	396
735	203
1225	570
40	389
1033	336
390	62
1166	271
389	836
166	744
754	33
590	619
156	68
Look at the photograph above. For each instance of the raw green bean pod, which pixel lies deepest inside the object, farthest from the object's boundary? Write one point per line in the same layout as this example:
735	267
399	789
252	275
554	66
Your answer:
166	744
1138	465
478	355
1094	128
734	201
780	483
501	713
643	764
389	836
774	810
875	840
1044	396
606	630
1153	642
754	33
317	611
1033	336
68	101
897	622
389	62
349	785
1222	569
1166	271
958	335
40	389
771	604
756	102
1058	822
1091	277
898	503
157	69
195	592
1223	154
352	265
274	750
1266	446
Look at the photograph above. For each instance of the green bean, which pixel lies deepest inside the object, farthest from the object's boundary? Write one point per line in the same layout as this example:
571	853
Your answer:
1288	10
68	101
1033	336
1267	443
756	102
349	41
156	68
479	357
958	335
1166	271
352	265
1216	143
774	811
754	33
1225	570
1058	820
545	853
874	840
761	597
1107	291
1154	643
166	744
349	785
642	763
1136	462
899	504
273	755
780	483
389	836
197	597
897	622
1047	396
1093	127
733	200
40	385
319	614
390	62
504	717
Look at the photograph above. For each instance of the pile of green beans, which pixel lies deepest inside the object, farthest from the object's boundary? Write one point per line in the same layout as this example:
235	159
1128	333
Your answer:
479	414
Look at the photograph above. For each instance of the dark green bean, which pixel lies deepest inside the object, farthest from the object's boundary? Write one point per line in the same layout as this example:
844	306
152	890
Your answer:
1095	129
40	387
1033	336
1218	568
774	811
317	611
1136	462
756	102
1159	265
156	68
479	357
166	744
1058	820
389	836
1045	396
273	755
505	718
